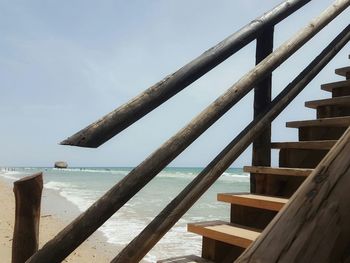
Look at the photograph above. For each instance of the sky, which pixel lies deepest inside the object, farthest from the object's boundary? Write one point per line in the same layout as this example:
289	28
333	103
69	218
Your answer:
64	64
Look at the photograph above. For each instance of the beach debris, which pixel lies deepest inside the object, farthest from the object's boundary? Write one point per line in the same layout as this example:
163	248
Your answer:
45	216
61	164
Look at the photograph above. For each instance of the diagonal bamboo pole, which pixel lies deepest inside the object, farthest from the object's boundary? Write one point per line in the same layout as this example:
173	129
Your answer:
82	227
108	126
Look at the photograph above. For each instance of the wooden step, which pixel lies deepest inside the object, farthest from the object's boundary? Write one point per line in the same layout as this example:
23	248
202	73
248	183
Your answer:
337	101
277	170
232	234
321	129
334	122
252	200
345	72
185	259
334	85
312	145
276	181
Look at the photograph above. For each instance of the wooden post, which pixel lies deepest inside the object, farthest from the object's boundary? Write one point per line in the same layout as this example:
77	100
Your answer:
262	99
26	233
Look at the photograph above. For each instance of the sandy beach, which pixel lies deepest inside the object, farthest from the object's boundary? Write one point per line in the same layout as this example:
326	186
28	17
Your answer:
95	249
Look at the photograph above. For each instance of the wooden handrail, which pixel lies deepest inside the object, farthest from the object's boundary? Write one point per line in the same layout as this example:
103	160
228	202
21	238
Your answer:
314	225
108	126
88	222
161	224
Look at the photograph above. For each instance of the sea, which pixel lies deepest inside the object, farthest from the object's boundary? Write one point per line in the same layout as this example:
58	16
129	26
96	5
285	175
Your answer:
81	187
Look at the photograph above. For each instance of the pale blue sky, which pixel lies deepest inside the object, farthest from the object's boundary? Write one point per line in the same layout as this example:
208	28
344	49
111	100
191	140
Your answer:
63	64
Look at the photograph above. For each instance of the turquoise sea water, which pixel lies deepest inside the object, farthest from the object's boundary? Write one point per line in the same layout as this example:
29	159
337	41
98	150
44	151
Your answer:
82	186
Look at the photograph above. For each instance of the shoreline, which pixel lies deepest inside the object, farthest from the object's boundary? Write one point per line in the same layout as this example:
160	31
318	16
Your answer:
69	192
53	219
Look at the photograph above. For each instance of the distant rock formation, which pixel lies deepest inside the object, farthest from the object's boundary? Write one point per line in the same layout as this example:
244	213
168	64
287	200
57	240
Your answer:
61	165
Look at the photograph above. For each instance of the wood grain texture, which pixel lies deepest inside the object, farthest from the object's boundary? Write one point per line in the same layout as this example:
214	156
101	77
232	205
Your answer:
317	133
325	122
314	225
338	101
26	231
218	251
345	72
253	200
329	111
312	145
225	232
277	171
261	152
333	85
301	158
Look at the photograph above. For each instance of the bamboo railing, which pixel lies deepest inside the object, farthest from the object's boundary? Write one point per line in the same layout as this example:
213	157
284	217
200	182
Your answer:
97	133
136	249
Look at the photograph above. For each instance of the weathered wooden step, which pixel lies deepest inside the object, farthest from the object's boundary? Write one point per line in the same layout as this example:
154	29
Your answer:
335	85
338	106
303	154
185	259
334	122
232	234
345	72
337	101
276	181
252	200
312	145
277	171
321	129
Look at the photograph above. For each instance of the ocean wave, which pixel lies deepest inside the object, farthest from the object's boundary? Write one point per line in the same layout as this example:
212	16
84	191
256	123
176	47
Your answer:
7	176
57	185
180	175
97	170
81	198
11	175
130	220
119	230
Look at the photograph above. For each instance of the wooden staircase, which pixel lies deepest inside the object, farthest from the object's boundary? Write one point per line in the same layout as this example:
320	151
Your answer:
252	212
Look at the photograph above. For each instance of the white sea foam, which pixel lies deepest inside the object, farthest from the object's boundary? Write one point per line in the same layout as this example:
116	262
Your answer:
56	185
178	175
96	170
82	198
120	230
130	220
7	176
11	175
